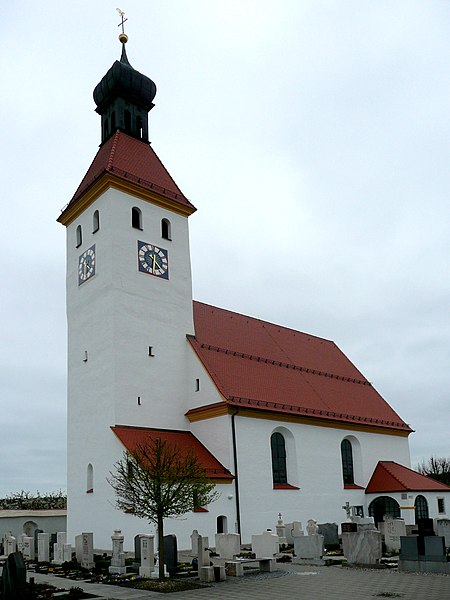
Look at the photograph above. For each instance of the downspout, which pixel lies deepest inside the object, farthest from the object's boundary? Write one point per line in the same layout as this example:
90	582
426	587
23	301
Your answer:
236	472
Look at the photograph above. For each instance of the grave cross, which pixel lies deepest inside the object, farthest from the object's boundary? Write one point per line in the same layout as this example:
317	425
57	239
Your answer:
347	509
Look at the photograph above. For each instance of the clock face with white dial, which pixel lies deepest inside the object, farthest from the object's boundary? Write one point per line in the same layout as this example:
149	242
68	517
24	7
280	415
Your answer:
153	260
86	265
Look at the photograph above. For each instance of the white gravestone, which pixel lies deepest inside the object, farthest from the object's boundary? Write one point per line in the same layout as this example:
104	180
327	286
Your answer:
265	545
87	550
293	529
118	555
281	530
309	548
79	548
9	544
228	545
442	528
28	548
20	542
147	555
43	547
393	529
58	548
203	555
67	553
312	527
194	542
362	547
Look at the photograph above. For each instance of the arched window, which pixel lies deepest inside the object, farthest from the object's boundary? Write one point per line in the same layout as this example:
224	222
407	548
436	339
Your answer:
79	236
136	218
95	222
278	447
421	510
347	462
384	505
89	479
165	229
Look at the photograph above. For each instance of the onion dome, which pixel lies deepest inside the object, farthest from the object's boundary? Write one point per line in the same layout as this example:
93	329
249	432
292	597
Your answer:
124	98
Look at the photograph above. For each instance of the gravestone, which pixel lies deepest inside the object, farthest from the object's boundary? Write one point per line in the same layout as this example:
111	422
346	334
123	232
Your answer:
79	548
330	534
423	555
265	545
281	530
309	549
203	556
137	551
425	527
194	542
14	577
228	545
146	555
9	544
311	527
58	548
393	530
20	542
118	555
36	533
43	547
292	530
87	550
362	547
67	553
442	528
28	548
170	553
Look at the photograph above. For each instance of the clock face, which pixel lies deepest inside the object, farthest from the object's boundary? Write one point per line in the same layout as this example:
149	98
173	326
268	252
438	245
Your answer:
153	260
86	265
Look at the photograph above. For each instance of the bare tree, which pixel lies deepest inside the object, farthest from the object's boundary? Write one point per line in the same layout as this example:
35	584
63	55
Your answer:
159	480
438	468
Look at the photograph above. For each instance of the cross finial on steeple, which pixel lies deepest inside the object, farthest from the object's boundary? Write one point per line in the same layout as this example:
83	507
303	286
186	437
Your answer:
122	36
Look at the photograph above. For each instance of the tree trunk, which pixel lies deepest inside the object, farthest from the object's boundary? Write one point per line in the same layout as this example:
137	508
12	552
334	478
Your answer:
161	546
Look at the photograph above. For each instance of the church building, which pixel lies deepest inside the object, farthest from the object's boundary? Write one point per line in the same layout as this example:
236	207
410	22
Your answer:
281	420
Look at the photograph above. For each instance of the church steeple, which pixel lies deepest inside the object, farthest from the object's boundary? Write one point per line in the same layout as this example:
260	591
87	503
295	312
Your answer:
124	98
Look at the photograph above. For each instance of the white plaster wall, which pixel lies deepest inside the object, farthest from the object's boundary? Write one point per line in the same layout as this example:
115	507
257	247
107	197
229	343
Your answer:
319	472
215	434
115	316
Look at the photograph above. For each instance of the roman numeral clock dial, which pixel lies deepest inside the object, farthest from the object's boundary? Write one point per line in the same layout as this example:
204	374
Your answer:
86	265
153	260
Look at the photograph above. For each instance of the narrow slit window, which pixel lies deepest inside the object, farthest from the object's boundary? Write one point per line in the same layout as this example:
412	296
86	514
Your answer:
79	236
95	222
197	385
165	229
136	218
89	479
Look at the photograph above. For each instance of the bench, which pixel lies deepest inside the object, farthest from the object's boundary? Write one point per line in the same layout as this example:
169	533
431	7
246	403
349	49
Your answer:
235	568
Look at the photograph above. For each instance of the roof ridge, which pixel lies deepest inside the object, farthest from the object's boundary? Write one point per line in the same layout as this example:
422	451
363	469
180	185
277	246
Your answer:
113	151
383	464
286	365
314	412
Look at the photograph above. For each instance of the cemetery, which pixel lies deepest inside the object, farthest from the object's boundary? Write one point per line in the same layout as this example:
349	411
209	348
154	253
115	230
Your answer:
355	543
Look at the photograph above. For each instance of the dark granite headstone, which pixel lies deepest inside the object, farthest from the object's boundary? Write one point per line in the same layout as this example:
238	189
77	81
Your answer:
171	553
14	577
409	547
330	534
435	549
349	527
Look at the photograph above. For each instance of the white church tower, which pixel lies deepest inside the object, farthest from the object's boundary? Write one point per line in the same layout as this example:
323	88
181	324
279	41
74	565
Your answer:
129	296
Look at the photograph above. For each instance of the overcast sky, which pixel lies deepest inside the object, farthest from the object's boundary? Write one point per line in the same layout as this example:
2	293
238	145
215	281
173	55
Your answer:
312	136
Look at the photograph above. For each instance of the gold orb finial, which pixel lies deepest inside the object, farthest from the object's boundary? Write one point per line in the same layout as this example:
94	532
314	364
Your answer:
123	38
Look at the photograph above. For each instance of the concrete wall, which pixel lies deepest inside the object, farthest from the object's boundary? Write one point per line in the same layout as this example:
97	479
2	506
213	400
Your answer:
50	521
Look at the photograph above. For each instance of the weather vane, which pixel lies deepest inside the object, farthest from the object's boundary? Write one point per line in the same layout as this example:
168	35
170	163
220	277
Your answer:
122	36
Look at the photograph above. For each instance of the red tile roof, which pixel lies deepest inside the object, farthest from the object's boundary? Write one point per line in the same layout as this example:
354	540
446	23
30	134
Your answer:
391	477
133	161
263	366
184	440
